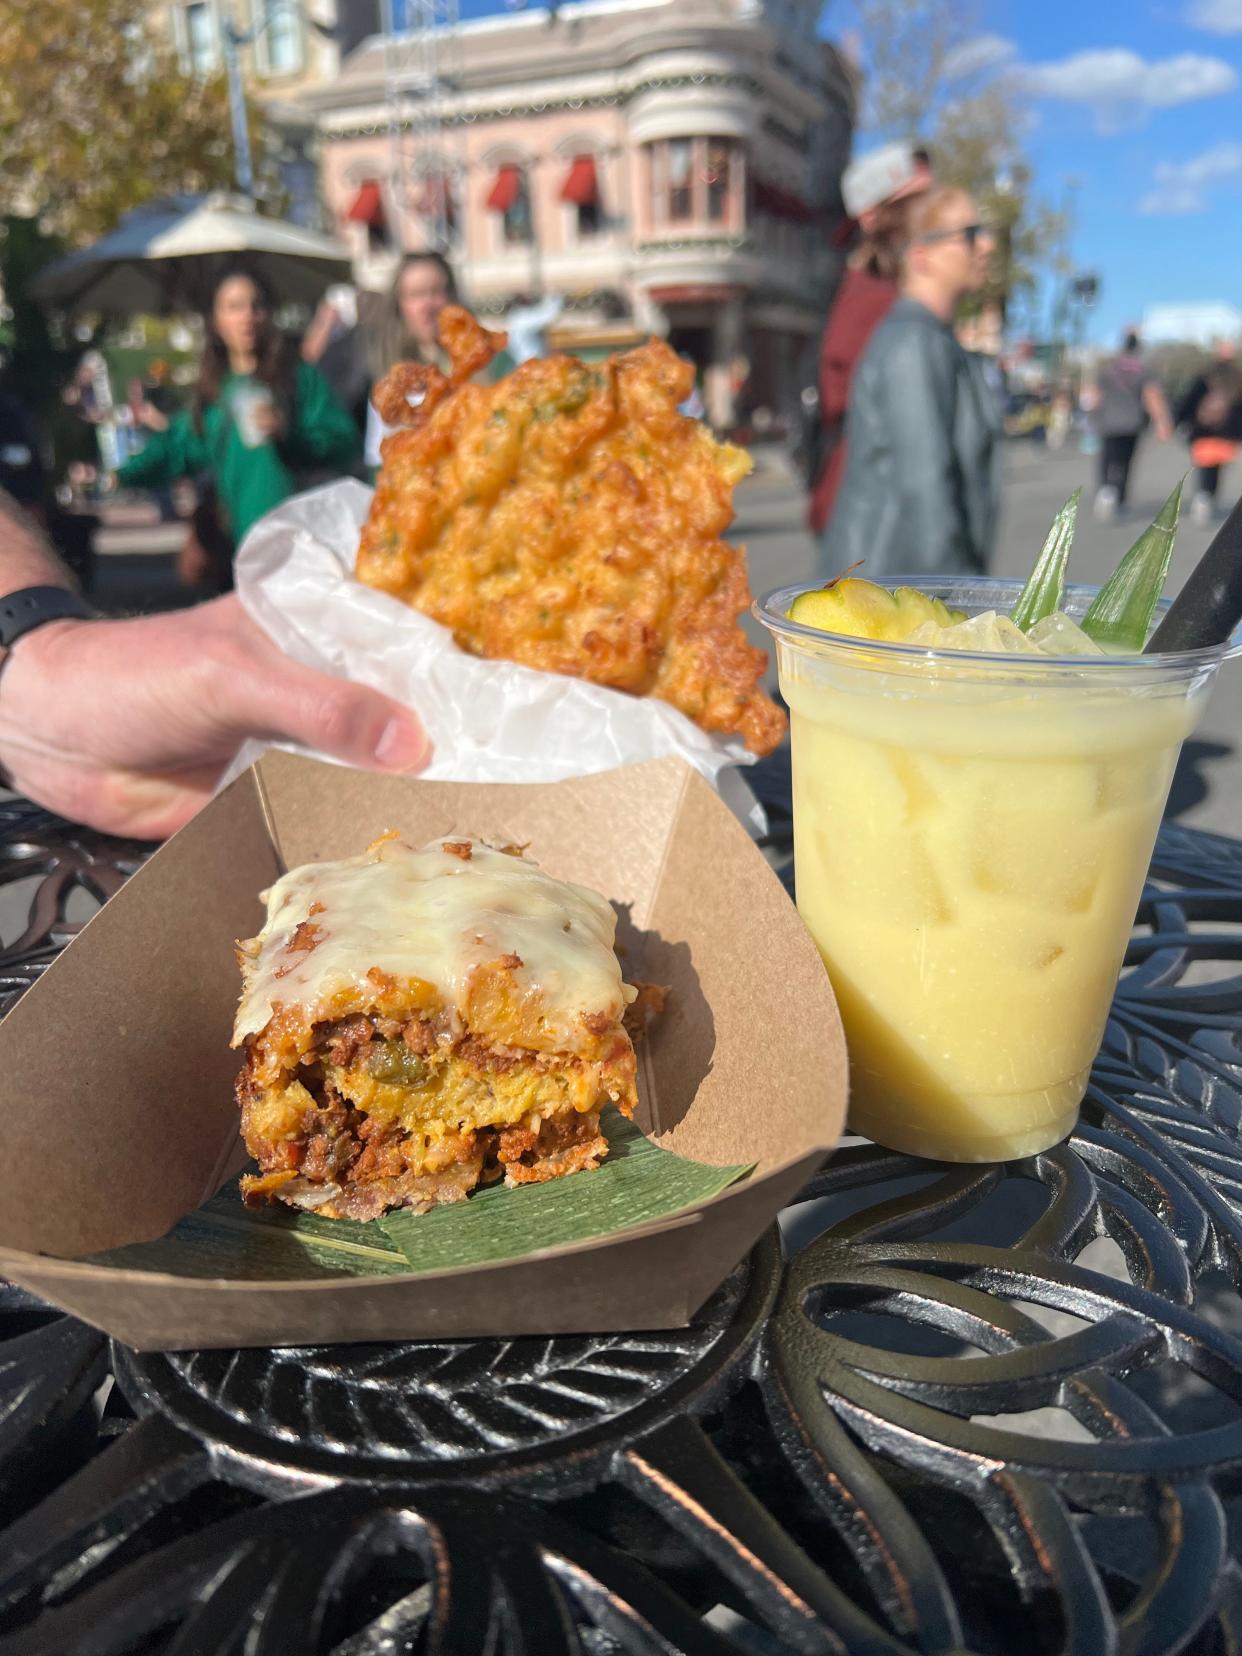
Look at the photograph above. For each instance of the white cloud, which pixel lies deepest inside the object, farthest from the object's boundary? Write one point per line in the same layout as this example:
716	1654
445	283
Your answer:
976	55
1172	198
1183	186
1117	83
1222	17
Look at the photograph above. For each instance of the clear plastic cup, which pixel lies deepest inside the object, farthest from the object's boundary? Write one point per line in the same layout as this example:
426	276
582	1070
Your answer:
971	837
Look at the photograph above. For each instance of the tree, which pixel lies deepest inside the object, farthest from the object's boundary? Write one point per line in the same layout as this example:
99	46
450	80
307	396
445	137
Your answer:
931	75
908	46
96	116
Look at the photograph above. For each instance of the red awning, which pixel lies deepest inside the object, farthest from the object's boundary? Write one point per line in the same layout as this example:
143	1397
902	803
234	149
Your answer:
696	293
581	186
367	206
506	188
781	203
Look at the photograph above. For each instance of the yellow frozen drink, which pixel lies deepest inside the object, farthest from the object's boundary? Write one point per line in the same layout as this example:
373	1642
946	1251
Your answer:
972	829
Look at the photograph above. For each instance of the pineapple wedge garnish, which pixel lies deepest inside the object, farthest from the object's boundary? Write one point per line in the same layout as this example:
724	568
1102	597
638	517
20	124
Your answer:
861	609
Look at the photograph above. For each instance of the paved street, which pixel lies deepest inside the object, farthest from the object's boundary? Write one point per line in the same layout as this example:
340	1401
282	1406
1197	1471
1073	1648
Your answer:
1207	792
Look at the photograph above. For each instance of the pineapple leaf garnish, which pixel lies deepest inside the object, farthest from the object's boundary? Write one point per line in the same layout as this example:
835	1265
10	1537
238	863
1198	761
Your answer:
1045	587
1121	614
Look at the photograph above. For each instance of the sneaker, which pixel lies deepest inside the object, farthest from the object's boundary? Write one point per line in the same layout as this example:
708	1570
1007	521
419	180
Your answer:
1106	504
1202	510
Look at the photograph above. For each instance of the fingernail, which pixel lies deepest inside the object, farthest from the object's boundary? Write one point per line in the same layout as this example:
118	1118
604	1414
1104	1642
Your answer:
403	746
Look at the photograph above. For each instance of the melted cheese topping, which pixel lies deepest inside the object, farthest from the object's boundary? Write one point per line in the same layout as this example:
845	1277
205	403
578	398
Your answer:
436	916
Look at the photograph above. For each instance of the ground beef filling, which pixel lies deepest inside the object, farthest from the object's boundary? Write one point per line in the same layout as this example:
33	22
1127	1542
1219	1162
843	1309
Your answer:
333	1158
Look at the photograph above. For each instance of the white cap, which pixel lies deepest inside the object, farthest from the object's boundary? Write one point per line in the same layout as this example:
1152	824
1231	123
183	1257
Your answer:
878	176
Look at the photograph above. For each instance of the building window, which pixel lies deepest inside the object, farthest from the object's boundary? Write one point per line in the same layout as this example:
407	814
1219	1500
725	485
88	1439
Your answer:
679	171
436	203
279	37
510	197
518	223
696	181
580	191
717	177
300	177
201	38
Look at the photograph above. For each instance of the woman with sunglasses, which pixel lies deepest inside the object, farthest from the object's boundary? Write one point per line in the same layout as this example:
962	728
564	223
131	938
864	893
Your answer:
919	494
878	191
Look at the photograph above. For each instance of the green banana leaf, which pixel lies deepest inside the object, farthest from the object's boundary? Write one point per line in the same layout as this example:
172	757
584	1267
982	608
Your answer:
638	1183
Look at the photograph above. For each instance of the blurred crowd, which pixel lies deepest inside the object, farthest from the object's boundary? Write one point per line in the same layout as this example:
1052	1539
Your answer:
902	433
127	724
268	413
903	472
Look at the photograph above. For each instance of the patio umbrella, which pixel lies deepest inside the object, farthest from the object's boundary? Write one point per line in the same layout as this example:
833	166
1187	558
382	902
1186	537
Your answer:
165	258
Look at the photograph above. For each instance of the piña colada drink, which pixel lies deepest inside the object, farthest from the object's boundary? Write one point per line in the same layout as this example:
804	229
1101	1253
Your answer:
974	813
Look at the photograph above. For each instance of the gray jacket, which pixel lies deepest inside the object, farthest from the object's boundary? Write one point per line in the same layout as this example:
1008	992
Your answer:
919	494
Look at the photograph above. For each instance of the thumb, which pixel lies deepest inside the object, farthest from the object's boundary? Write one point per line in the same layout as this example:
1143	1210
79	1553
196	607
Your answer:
330	715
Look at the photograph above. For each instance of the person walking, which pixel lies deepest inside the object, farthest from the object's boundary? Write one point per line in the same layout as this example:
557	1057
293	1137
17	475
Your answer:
919	494
1125	398
261	419
1060	416
1210	414
878	191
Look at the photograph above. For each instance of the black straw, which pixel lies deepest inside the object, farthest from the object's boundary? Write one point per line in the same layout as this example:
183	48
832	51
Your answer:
1209	607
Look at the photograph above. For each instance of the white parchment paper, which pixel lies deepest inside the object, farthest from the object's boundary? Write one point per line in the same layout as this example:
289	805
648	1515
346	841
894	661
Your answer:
490	721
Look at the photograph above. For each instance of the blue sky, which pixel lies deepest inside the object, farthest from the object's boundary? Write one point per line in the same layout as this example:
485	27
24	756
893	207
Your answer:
1140	101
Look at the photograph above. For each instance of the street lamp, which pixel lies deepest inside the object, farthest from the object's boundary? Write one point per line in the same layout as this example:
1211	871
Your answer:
1084	291
235	37
1005	185
243	166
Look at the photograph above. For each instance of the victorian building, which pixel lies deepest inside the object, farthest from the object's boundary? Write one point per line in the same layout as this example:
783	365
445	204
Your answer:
665	166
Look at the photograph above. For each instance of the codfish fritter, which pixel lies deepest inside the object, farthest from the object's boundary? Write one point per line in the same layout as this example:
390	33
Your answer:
569	518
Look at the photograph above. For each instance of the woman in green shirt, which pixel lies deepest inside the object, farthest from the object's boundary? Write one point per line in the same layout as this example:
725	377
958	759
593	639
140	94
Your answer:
260	415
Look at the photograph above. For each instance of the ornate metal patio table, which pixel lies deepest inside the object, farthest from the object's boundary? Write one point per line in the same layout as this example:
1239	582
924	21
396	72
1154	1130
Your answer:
981	1409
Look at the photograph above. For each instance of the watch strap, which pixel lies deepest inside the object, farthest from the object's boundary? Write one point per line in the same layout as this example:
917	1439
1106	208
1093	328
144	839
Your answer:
21	612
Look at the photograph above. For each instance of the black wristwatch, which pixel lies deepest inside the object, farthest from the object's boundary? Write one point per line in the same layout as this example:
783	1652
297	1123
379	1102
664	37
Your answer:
21	612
